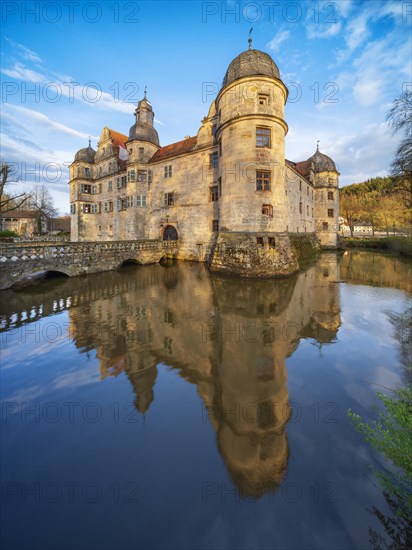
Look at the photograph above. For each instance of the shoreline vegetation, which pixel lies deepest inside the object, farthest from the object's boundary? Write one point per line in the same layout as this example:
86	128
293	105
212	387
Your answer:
399	245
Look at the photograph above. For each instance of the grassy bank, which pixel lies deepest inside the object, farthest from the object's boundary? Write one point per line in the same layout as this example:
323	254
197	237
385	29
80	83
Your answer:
401	245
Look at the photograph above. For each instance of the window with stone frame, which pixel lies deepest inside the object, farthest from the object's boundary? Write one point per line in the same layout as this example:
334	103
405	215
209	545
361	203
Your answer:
213	193
263	99
149	176
325	226
213	161
87	172
86	188
72	209
259	241
94	209
330	212
215	225
87	208
132	175
142	176
300	208
330	195
272	242
110	185
124	181
307	210
169	199
141	201
168	171
263	180
118	182
141	152
263	136
267	210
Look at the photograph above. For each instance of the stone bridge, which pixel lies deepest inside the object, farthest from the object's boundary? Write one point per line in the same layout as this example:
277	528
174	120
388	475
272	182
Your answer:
21	261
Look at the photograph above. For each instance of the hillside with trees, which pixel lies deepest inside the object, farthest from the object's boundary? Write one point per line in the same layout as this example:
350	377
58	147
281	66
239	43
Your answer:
378	201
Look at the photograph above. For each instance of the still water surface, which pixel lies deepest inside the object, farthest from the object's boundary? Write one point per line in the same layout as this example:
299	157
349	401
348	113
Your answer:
165	408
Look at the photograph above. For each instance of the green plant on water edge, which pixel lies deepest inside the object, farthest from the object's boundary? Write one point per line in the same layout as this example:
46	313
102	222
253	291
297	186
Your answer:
391	435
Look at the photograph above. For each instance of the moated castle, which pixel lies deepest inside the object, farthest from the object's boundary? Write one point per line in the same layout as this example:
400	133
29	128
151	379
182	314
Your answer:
228	195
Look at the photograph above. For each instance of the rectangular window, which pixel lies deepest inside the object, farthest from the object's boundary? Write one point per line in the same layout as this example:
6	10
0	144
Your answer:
129	202
119	204
141	152
272	242
141	201
94	208
215	225
168	171
118	184
213	161
307	210
87	208
169	199
259	241
132	175
106	207
94	189
263	99
307	191
110	186
262	137
85	188
330	213
124	181
330	195
142	176
300	208
87	172
262	181
150	176
267	210
325	226
214	193
72	209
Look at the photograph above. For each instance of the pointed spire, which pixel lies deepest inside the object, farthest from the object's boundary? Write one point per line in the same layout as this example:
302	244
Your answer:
250	38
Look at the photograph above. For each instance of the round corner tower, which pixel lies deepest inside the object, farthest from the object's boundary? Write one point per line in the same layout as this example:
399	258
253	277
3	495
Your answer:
251	139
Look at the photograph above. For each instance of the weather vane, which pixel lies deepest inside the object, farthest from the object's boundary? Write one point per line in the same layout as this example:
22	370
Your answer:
250	38
317	144
145	91
90	142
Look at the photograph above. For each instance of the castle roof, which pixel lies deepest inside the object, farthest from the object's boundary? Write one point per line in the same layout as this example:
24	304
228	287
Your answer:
174	149
85	155
118	137
251	63
322	163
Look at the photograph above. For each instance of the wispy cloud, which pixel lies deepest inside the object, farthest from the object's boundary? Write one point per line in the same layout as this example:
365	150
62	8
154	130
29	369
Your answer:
281	36
40	118
25	52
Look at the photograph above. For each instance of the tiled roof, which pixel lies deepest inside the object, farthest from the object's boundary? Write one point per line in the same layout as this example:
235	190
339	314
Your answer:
19	214
303	167
118	137
184	146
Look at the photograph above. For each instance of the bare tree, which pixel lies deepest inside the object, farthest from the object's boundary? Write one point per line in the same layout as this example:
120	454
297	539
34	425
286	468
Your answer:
400	119
9	202
41	200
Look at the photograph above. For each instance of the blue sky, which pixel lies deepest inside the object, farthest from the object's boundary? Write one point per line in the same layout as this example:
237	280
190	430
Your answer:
86	64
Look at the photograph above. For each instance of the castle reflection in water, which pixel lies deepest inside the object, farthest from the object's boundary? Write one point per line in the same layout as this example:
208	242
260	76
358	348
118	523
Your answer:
229	337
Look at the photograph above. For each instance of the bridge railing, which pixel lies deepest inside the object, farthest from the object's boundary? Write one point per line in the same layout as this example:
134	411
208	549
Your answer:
11	252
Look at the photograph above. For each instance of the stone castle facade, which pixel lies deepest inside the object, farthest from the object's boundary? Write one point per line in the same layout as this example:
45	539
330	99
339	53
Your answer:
227	189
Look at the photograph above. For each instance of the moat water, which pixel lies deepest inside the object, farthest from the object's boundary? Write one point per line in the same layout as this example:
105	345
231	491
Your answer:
162	407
